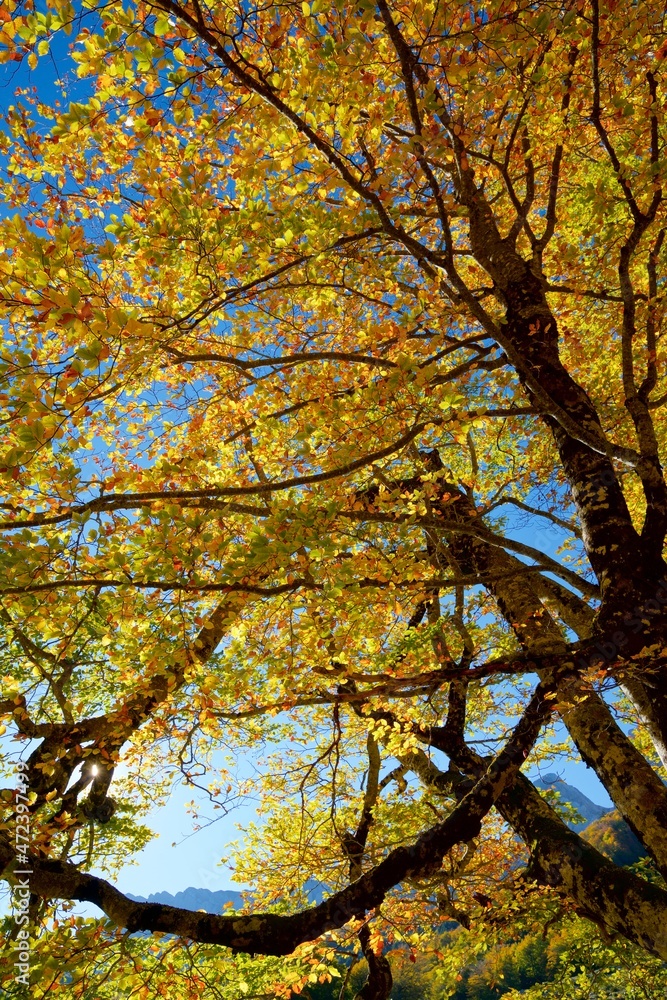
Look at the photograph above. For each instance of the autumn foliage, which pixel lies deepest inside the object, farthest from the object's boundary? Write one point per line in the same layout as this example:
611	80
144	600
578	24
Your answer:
332	387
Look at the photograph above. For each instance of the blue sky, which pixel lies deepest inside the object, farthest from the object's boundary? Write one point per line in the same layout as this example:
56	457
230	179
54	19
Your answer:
193	860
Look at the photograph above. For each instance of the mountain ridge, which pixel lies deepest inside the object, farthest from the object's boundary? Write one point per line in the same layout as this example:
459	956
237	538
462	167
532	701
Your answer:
216	900
571	795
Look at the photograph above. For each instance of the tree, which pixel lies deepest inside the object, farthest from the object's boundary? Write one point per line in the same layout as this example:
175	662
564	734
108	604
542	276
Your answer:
304	309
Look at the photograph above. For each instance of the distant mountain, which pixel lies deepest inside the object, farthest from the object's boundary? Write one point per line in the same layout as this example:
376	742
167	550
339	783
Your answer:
587	809
602	827
215	902
195	899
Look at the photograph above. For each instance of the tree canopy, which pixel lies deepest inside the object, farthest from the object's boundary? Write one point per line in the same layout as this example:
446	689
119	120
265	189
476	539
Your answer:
333	380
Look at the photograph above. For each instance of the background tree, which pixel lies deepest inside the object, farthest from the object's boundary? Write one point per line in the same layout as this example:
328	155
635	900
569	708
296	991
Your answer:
303	307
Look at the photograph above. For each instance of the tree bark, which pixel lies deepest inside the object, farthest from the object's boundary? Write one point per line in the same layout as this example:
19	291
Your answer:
633	785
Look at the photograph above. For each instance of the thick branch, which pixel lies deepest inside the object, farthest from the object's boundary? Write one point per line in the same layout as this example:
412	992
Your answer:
272	934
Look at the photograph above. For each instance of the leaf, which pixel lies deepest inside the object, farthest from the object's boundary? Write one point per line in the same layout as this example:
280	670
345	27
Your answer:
315	463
